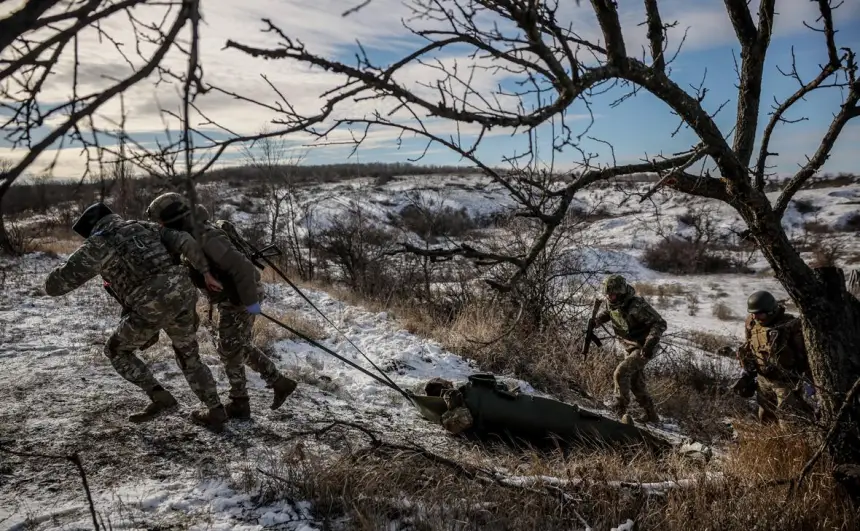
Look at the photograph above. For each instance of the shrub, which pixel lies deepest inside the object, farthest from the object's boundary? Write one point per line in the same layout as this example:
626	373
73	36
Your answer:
805	206
683	257
722	312
817	227
852	224
435	221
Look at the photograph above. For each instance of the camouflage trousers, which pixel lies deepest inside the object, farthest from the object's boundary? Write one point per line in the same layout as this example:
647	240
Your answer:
629	377
236	350
176	315
781	401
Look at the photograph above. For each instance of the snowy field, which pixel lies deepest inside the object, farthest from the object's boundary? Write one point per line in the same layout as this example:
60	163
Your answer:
59	394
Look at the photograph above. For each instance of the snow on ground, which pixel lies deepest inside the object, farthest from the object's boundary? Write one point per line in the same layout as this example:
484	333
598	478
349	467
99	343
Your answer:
60	395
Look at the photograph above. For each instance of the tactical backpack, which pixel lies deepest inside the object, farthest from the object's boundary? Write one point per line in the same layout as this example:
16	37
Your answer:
230	292
139	255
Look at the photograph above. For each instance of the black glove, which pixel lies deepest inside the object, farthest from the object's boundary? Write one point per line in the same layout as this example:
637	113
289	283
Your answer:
745	386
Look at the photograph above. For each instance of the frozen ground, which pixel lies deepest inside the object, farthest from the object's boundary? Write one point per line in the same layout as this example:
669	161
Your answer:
58	394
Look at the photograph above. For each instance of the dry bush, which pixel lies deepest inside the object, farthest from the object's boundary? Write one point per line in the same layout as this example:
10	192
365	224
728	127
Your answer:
694	392
709	342
827	253
723	312
648	289
370	486
432	221
684	257
267	333
852	224
57	240
805	206
817	227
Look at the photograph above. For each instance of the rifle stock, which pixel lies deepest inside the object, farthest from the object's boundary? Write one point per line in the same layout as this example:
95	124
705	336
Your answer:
590	337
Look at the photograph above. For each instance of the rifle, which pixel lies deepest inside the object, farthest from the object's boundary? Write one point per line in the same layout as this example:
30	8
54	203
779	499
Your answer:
590	337
254	255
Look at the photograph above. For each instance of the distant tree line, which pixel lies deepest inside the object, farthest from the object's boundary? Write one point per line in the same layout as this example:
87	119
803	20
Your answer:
39	193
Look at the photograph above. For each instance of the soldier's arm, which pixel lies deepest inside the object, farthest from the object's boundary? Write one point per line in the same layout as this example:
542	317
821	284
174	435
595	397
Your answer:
745	354
83	265
798	344
657	325
222	252
180	242
602	317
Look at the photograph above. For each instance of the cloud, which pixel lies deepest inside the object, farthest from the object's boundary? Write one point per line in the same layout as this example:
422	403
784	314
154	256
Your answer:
319	25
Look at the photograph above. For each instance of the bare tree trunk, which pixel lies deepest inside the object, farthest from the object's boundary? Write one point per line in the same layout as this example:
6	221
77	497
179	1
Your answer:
6	246
831	327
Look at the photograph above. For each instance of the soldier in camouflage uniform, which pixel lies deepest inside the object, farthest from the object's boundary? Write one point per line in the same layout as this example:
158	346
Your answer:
238	304
134	258
639	327
774	354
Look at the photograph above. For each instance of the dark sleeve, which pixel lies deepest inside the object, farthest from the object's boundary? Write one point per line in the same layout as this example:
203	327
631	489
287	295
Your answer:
224	254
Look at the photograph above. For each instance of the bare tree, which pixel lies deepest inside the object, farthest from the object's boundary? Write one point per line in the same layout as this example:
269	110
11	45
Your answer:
5	241
555	66
274	164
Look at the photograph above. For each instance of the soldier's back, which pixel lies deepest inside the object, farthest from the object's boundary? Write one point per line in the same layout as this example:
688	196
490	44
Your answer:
139	267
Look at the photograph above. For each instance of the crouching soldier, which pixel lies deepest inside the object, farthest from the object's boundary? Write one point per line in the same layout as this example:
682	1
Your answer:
238	303
134	259
774	361
639	327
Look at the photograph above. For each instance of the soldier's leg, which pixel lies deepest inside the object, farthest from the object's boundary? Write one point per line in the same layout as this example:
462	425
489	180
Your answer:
791	408
640	391
232	324
766	399
622	377
235	329
182	331
132	332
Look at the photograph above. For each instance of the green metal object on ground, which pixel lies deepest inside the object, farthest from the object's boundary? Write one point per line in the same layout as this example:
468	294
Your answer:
497	410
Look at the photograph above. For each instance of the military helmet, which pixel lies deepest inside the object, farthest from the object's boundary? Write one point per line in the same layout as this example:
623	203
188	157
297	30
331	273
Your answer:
167	208
90	217
614	285
761	302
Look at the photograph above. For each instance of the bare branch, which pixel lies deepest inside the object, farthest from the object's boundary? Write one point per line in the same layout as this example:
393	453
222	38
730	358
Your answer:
754	45
848	111
607	16
655	35
833	65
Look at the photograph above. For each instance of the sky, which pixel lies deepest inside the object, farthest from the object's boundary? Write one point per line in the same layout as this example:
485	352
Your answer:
641	126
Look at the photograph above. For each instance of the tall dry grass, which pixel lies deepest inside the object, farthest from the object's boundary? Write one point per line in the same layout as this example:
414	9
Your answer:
381	486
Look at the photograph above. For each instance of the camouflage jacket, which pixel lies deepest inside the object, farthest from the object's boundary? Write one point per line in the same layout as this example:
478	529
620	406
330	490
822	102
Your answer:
134	257
777	350
636	323
242	281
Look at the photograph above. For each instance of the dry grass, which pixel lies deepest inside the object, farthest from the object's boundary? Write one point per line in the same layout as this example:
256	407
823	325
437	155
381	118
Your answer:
266	333
648	289
723	312
370	487
710	342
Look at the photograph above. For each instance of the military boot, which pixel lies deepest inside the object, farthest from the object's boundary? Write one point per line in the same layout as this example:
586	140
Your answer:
283	388
162	401
650	414
213	419
619	407
239	408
